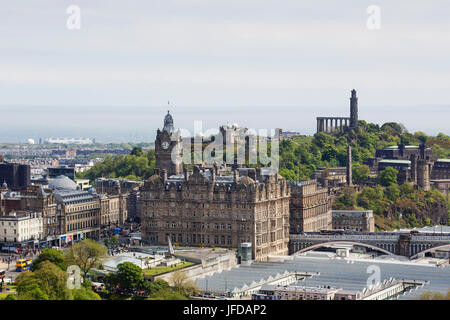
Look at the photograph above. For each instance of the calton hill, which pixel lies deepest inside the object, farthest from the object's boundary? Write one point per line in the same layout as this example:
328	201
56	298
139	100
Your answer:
394	205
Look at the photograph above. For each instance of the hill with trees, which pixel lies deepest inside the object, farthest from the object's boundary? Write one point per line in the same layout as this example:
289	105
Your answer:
137	165
394	206
301	156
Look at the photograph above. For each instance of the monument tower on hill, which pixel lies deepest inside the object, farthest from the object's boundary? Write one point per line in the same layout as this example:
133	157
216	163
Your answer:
353	110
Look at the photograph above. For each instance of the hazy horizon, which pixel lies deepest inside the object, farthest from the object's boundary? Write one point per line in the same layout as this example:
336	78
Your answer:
219	61
139	124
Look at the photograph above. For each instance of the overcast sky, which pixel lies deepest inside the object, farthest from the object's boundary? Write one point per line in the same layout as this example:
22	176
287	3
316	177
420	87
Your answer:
218	53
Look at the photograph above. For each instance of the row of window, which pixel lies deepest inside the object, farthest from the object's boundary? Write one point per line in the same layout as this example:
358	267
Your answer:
81	208
81	225
81	216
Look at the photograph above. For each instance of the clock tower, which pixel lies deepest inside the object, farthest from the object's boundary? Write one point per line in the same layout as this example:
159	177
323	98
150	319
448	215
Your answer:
168	148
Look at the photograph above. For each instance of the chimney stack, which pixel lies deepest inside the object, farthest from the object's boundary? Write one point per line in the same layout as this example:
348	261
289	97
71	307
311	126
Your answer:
186	174
252	173
164	176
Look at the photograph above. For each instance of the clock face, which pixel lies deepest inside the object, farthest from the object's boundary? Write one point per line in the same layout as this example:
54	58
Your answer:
165	145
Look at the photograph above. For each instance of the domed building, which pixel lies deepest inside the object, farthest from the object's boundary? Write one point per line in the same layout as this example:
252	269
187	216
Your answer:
62	183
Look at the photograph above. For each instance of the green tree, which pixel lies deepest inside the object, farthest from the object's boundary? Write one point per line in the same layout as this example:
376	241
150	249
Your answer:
388	176
114	240
48	282
288	174
393	192
53	255
85	292
422	137
137	151
360	172
393	128
346	201
129	277
86	254
31	291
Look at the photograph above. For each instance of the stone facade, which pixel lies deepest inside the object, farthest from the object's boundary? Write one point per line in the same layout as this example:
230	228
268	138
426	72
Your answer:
310	207
205	209
128	190
414	163
68	214
169	148
19	227
354	220
441	169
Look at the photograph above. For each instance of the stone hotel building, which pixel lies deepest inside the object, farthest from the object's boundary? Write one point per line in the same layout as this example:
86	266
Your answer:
206	209
203	208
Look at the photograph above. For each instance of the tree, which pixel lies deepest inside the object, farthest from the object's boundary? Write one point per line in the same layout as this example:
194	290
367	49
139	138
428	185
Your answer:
181	282
32	292
53	255
288	174
114	240
86	254
422	137
388	176
431	295
129	276
346	201
393	128
137	151
360	172
393	192
48	282
85	294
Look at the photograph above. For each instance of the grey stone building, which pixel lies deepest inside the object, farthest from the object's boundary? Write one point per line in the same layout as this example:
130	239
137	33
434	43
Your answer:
310	207
340	124
204	209
354	220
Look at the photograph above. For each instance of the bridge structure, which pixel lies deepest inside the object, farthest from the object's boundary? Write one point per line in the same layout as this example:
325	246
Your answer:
410	245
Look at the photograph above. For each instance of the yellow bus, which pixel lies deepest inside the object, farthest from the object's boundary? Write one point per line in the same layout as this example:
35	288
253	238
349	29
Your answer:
23	264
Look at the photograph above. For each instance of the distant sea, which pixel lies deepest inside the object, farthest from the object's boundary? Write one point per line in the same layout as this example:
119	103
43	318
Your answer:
139	124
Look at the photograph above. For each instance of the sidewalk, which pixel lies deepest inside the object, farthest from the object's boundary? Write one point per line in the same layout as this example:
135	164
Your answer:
4	266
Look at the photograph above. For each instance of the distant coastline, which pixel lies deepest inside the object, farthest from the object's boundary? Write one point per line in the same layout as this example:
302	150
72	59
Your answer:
138	123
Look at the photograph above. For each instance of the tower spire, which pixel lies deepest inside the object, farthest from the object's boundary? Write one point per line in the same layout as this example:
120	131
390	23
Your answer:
354	110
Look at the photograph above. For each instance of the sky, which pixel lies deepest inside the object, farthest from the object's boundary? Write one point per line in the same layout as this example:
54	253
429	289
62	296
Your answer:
259	63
